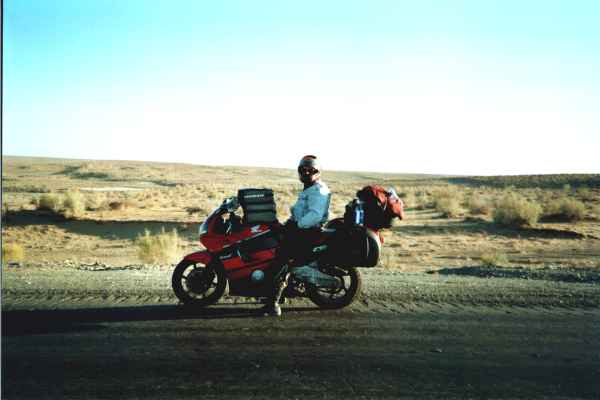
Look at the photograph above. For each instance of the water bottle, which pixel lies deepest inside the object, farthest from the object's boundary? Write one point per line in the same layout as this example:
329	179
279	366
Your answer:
359	213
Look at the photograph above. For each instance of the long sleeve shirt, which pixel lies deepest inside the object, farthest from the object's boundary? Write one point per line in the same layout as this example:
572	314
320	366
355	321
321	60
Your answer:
312	208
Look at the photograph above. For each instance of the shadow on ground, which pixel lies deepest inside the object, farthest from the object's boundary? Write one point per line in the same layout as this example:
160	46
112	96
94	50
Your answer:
568	275
481	226
130	230
34	322
109	230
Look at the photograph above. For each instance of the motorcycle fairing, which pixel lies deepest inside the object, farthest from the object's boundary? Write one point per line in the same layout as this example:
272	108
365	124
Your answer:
215	241
203	257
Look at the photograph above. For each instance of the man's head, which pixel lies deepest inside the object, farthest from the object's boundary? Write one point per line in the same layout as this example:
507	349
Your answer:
309	170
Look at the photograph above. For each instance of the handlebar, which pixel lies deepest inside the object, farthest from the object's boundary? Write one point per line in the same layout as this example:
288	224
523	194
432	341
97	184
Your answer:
230	204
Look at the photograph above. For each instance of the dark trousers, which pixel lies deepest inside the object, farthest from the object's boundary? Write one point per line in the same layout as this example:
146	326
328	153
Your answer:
296	244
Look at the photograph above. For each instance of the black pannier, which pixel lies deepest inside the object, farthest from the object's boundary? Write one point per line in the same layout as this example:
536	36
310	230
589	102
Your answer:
258	206
353	247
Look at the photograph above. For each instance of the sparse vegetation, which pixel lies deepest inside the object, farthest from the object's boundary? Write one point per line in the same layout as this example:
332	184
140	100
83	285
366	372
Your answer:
515	210
421	241
12	252
596	211
50	202
93	202
478	205
585	194
494	259
423	201
566	209
447	200
73	204
160	248
556	181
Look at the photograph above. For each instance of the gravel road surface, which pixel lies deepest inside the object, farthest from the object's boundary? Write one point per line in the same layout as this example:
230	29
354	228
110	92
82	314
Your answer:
424	336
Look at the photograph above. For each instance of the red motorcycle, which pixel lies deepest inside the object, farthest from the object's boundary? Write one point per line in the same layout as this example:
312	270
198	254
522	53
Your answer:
239	253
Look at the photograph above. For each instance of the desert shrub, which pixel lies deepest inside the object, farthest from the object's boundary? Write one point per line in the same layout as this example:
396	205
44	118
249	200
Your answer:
50	202
422	201
565	208
159	248
515	210
94	202
595	209
12	252
449	207
478	205
447	200
494	259
73	204
584	193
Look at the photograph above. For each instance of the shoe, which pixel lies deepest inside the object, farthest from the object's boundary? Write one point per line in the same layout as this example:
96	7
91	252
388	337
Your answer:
271	310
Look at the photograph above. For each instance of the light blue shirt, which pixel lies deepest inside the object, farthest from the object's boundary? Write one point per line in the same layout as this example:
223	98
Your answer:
312	208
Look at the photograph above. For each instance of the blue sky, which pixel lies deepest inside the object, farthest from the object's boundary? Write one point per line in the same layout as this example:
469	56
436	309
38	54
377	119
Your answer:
457	87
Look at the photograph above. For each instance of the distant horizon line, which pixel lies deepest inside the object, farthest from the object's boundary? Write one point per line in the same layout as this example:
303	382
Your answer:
291	169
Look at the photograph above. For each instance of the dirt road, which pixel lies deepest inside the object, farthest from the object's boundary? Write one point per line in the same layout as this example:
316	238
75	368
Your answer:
384	346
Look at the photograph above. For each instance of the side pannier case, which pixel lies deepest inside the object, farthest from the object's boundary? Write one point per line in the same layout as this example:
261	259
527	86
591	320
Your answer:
354	247
258	206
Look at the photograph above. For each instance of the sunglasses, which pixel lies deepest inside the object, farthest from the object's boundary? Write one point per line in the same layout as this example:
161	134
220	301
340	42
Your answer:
307	171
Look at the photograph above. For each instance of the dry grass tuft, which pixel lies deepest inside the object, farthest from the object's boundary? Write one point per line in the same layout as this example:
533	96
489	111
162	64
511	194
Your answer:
515	210
422	201
478	205
50	202
12	252
585	194
73	204
447	201
159	248
494	259
595	210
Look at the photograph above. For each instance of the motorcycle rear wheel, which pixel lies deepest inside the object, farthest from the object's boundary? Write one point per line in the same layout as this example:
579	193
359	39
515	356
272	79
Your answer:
197	284
338	298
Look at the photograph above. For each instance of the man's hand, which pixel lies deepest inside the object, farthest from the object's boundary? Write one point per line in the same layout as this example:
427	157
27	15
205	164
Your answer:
289	226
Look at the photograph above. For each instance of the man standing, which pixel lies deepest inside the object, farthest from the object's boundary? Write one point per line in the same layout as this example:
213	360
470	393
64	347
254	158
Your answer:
308	215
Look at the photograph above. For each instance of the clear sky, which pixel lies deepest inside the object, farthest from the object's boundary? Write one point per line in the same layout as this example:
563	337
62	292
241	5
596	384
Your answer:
454	87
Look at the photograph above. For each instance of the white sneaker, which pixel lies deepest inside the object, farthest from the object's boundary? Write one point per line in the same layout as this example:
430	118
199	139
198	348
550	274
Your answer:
271	311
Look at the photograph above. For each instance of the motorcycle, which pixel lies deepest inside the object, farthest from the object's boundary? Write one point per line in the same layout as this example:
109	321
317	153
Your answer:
239	255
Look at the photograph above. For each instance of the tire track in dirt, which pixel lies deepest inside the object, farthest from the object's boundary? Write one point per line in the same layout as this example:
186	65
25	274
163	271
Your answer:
384	291
367	303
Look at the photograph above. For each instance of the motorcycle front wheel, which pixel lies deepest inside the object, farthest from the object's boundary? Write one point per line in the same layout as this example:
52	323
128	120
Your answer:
350	286
198	284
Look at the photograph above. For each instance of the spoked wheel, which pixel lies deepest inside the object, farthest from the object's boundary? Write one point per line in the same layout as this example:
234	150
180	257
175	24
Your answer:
345	294
198	284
